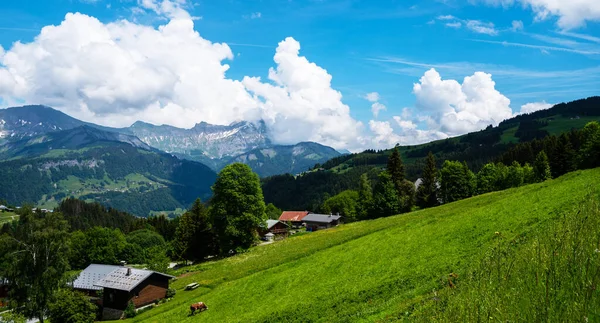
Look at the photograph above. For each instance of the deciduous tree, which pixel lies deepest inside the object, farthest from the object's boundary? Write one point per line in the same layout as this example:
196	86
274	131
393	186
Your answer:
69	306
541	168
237	207
37	261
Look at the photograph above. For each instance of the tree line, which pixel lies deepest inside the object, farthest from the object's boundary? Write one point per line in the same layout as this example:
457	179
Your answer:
38	250
526	163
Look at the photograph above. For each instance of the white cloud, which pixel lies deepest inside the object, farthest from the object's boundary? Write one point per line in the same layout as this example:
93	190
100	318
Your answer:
406	133
476	26
120	72
535	106
517	25
301	105
404	124
376	107
571	13
372	97
481	27
255	15
456	108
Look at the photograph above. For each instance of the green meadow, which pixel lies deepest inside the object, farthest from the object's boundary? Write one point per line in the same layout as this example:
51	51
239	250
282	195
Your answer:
7	217
386	269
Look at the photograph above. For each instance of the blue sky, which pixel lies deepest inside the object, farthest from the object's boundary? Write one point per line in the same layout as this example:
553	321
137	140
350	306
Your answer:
375	46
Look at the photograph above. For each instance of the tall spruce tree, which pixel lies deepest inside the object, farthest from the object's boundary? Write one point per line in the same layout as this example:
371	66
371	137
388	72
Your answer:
541	167
404	188
194	237
427	193
395	167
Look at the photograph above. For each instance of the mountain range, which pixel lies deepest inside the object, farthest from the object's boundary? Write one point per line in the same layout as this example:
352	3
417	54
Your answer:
46	155
213	145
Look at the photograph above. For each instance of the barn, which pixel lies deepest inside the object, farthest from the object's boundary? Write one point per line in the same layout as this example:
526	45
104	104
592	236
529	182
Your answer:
124	285
314	222
295	217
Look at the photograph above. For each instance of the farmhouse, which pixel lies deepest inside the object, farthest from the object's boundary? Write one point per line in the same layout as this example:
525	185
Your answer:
273	228
314	222
91	275
295	217
124	285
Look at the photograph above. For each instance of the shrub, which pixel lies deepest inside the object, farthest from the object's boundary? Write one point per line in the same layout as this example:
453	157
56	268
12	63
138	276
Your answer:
130	310
171	292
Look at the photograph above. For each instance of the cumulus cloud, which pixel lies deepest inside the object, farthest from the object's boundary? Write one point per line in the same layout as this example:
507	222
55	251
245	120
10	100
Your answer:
571	14
120	72
404	132
302	104
454	108
376	108
535	106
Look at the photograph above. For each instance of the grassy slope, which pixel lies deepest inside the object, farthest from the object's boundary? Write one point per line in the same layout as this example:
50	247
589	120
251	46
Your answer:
7	217
369	270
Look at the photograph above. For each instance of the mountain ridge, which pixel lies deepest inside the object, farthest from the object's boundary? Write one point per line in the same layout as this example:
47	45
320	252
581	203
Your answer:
213	145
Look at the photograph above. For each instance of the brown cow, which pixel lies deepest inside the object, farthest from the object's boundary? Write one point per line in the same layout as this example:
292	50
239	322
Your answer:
200	306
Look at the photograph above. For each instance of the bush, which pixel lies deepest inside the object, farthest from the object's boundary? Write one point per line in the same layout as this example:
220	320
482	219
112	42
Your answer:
171	292
130	310
71	307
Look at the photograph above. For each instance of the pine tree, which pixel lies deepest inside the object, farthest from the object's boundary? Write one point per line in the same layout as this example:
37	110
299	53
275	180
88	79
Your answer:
427	193
194	237
404	188
385	198
395	167
541	167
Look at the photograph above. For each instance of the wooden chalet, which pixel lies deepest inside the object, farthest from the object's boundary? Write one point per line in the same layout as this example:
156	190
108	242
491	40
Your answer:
274	227
90	276
124	285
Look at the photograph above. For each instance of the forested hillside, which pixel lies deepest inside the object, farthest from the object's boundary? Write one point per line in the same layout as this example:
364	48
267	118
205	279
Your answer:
342	173
97	167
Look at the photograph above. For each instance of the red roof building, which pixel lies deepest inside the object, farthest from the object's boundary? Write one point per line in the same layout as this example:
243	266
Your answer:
293	216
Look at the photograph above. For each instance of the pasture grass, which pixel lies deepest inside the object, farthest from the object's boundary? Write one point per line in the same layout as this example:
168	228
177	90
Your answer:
372	270
551	275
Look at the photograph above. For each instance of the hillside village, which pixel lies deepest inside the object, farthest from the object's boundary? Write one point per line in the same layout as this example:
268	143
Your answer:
326	161
124	266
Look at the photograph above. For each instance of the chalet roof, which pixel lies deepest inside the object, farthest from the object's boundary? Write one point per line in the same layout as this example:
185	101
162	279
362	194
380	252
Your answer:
119	279
292	215
92	274
321	218
272	223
